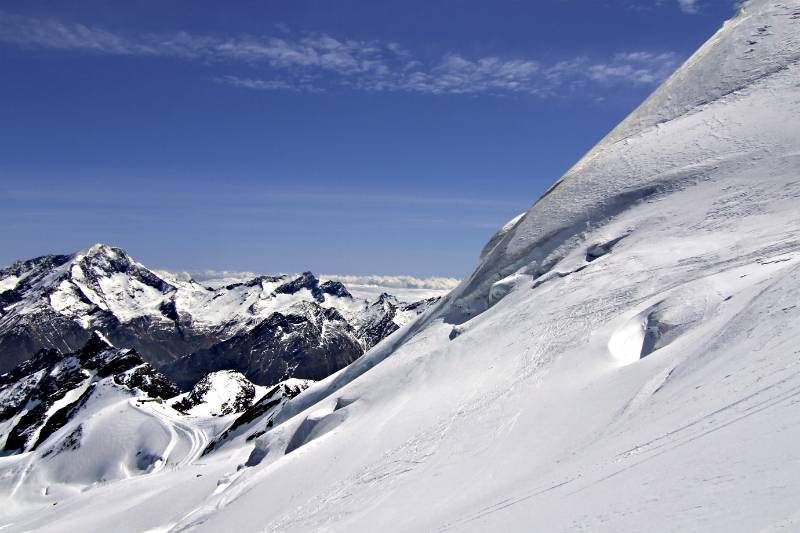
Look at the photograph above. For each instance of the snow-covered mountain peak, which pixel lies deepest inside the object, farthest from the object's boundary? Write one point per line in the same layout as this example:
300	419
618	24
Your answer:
762	39
218	394
305	281
386	299
708	120
101	250
103	260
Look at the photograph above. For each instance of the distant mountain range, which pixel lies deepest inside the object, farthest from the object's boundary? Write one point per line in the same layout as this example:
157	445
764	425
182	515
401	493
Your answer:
270	328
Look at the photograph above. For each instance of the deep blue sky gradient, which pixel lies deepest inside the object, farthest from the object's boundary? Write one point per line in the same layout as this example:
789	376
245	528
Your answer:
152	153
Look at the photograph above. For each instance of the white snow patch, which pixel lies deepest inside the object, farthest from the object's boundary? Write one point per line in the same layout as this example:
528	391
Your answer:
8	283
627	341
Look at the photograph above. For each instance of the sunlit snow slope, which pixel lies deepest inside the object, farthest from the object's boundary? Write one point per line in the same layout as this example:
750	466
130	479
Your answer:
625	356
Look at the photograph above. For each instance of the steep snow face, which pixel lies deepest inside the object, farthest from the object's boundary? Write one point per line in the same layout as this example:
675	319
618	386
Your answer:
706	122
760	41
626	354
497	237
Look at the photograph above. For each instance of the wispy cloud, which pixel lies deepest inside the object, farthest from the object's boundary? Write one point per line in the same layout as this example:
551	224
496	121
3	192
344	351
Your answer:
268	85
689	6
319	62
640	68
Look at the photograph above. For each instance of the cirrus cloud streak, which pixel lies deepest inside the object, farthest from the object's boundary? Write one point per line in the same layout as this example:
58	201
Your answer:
320	62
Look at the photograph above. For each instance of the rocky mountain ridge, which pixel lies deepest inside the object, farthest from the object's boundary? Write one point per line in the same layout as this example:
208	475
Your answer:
179	325
46	401
39	396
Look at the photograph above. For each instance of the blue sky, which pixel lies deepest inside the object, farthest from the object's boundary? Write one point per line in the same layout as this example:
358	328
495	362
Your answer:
352	136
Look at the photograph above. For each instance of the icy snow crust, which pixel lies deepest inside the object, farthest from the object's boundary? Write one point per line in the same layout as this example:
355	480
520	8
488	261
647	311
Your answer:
625	356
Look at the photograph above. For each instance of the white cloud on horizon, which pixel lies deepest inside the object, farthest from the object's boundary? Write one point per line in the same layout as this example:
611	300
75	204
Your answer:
315	62
368	287
397	282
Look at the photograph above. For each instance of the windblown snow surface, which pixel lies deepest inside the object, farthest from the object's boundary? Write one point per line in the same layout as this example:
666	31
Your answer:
624	357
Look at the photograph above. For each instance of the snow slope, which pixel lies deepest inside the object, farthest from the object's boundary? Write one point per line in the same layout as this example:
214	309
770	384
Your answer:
624	357
73	422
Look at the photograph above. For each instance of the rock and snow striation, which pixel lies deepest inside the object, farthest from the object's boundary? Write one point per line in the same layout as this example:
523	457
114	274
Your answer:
55	302
624	354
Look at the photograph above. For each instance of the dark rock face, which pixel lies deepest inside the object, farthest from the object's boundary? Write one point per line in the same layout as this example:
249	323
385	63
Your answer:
31	389
310	342
335	288
421	305
146	379
381	318
161	343
22	337
379	326
37	265
307	280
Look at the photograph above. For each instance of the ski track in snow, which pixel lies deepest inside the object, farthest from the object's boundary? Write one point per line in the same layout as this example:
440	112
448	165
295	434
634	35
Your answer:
186	437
